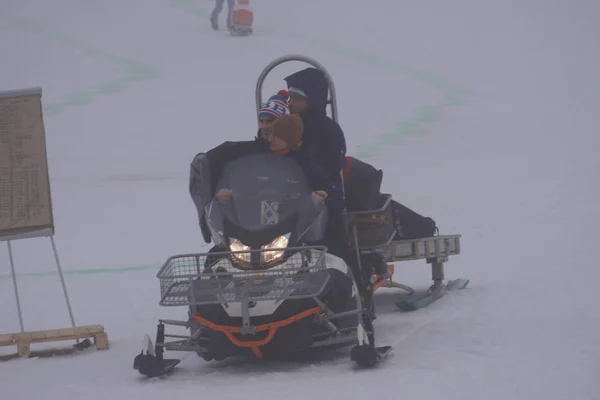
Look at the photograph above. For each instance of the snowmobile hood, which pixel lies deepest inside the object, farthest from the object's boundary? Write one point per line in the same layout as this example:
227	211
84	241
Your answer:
314	83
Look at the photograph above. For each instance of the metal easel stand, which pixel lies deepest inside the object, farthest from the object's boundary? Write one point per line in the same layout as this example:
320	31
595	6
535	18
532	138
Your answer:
62	281
24	339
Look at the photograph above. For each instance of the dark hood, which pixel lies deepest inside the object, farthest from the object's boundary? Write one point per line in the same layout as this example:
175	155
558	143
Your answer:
314	83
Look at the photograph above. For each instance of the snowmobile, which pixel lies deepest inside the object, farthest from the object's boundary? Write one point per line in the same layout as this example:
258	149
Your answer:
272	289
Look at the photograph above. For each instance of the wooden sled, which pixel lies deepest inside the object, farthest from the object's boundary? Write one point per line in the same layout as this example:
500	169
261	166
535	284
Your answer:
24	340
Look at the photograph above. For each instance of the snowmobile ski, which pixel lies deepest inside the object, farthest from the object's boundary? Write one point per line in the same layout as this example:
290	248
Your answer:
433	294
368	356
151	365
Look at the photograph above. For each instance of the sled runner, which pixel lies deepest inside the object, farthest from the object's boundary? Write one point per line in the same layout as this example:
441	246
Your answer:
276	290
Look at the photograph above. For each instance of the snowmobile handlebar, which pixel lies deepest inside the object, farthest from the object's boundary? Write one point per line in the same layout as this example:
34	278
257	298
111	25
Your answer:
296	57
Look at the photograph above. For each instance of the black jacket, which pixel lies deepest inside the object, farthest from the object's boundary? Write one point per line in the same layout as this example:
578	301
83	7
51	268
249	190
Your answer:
317	177
323	139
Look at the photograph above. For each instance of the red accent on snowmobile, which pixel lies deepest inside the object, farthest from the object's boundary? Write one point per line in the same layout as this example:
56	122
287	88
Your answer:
347	168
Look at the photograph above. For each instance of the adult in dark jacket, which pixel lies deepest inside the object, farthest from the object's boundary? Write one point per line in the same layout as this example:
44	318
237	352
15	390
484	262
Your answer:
285	139
323	138
324	142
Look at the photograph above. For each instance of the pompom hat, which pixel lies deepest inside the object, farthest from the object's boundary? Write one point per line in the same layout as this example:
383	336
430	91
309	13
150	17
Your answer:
276	106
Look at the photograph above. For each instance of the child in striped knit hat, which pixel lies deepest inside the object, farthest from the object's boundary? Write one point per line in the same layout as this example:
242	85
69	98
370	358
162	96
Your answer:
276	106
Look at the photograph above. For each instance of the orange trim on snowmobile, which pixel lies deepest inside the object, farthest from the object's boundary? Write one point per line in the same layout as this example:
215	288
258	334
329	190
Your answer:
380	281
255	344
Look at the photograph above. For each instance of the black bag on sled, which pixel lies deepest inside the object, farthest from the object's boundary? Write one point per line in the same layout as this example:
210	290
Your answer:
409	224
362	184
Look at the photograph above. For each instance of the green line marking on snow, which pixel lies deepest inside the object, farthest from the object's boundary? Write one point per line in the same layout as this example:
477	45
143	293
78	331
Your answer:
414	125
135	71
95	271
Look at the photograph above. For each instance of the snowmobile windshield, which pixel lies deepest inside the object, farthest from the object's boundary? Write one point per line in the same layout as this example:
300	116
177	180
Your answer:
267	190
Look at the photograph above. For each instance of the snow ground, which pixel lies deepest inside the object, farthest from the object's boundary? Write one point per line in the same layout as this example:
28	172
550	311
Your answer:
483	115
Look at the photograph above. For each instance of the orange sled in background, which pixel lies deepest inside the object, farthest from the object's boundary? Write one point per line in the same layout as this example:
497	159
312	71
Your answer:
242	17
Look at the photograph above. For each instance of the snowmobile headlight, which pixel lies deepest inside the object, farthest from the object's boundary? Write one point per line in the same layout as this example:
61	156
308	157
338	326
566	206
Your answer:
236	245
280	242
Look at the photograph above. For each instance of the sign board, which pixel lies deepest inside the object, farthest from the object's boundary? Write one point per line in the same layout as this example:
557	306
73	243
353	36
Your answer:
25	200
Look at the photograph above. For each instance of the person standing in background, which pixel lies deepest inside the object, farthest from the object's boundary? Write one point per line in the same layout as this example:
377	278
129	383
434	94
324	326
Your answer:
218	8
